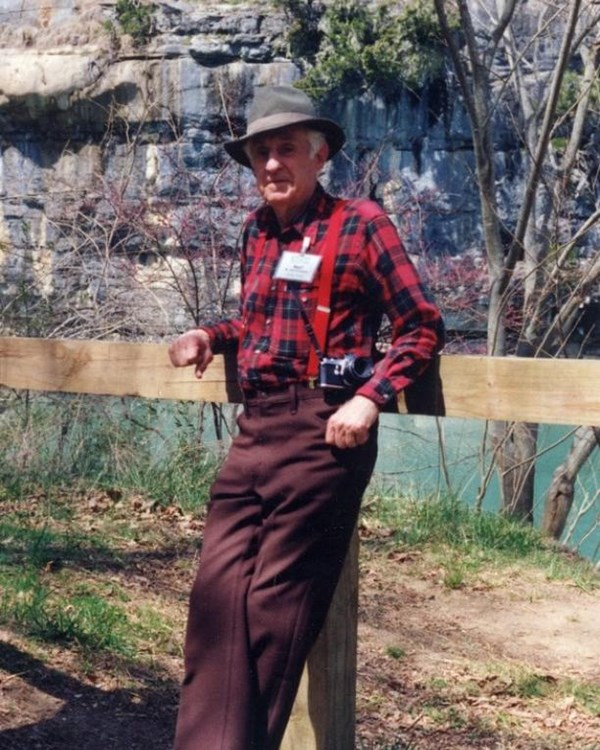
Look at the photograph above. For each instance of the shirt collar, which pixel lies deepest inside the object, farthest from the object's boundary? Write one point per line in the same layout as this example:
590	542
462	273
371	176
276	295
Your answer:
319	208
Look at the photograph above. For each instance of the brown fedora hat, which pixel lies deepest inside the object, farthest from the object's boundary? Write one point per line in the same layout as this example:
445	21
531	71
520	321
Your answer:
276	107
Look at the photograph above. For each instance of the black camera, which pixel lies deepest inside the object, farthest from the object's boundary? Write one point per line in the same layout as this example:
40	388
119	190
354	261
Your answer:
349	371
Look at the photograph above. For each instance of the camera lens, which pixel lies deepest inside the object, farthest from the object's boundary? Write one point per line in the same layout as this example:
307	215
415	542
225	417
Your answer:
358	370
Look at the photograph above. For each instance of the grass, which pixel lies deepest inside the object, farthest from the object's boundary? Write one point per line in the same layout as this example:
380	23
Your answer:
51	532
395	652
464	541
36	609
46	591
511	681
117	445
82	482
38	546
446	521
89	507
70	589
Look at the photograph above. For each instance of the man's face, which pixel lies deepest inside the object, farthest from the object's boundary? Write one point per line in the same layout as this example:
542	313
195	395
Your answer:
286	173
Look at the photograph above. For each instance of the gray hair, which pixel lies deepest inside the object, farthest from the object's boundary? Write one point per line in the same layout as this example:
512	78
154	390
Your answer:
316	139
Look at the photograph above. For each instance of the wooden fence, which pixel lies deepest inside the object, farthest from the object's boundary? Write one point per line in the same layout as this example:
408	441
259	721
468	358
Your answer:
555	391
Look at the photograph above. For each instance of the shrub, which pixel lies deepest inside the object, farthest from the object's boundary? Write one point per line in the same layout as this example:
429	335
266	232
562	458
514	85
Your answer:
135	19
364	48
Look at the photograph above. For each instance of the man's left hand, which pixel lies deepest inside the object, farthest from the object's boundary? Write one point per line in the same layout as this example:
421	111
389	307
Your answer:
350	425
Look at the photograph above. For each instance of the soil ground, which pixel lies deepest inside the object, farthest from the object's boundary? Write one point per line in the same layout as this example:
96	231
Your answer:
438	668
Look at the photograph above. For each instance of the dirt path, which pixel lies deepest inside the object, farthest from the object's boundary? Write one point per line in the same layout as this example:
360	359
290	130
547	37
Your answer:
476	668
466	659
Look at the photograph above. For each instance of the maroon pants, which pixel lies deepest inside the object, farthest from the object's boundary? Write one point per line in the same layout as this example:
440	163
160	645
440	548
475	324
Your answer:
280	520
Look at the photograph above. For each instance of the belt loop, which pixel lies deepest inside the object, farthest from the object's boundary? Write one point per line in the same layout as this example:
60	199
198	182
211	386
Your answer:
294	398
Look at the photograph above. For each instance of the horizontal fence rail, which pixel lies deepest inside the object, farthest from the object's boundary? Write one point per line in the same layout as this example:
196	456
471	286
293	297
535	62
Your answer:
555	391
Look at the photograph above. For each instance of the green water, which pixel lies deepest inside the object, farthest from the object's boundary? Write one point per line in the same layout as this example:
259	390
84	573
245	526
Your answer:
409	455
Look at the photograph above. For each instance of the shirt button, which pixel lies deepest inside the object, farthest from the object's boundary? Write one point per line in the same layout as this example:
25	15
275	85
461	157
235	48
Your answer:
268	321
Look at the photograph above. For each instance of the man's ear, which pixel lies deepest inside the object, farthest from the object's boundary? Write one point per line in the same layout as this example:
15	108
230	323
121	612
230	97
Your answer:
322	154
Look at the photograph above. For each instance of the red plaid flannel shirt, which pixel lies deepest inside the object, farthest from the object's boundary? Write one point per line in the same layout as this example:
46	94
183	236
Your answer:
373	277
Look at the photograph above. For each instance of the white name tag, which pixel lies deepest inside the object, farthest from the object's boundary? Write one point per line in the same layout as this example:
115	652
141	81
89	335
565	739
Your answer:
297	266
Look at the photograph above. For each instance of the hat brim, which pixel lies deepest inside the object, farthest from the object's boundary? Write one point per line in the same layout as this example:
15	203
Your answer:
331	130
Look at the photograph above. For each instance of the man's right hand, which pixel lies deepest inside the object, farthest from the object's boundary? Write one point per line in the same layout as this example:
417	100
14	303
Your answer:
191	348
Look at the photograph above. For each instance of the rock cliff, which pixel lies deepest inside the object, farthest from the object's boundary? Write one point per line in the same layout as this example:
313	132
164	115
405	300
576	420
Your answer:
95	127
67	73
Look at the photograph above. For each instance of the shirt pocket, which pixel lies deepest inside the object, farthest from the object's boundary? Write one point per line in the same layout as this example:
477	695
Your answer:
289	337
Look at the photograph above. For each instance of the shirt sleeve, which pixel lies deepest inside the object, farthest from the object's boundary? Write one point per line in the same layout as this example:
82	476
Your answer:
417	329
224	334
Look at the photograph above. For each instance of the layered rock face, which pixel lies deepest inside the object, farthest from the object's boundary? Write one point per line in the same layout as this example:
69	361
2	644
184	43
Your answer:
94	127
68	75
109	148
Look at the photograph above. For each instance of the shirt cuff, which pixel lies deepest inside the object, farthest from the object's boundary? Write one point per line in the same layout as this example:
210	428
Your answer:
379	390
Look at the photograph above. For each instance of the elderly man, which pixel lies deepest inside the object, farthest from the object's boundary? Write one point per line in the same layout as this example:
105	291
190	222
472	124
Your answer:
318	274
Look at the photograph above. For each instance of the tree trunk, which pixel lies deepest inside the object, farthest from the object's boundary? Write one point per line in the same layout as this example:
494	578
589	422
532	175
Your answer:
517	452
562	488
537	233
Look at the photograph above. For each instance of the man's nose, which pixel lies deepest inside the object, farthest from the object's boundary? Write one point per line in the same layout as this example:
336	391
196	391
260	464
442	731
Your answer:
273	162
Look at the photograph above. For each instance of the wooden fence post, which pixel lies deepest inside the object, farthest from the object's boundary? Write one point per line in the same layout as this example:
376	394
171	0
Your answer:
324	713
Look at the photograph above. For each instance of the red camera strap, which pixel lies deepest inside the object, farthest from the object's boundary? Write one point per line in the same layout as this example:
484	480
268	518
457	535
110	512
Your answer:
321	318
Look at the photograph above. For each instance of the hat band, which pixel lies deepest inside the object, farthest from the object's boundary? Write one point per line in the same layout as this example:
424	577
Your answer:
279	120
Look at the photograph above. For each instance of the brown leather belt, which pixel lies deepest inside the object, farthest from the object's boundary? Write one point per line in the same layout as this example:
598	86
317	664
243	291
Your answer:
296	392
